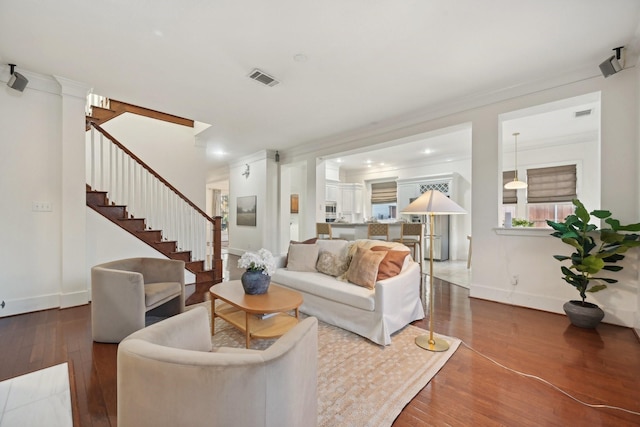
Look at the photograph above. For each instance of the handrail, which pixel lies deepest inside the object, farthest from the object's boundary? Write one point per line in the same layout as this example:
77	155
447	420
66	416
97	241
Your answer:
148	168
131	182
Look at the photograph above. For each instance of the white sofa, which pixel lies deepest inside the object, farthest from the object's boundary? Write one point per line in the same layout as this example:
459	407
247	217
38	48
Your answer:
372	313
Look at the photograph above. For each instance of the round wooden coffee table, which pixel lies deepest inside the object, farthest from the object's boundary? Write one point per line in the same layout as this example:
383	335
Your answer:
258	316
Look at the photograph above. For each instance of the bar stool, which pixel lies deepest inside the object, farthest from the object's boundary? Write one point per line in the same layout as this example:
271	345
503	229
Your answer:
376	231
323	229
411	235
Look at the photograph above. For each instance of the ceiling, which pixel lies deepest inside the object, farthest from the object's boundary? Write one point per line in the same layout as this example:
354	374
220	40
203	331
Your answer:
570	120
364	62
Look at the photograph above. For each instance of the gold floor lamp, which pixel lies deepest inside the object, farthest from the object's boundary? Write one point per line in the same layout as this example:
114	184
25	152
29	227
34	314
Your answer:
432	203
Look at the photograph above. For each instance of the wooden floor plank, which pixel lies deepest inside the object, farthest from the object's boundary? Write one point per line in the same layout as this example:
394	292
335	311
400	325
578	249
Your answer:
598	366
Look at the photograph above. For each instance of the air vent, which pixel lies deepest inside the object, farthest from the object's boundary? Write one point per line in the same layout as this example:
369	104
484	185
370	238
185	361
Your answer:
263	78
583	113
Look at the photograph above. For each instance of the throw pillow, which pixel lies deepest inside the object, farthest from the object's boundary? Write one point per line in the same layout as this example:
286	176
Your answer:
302	257
392	262
363	269
293	242
332	264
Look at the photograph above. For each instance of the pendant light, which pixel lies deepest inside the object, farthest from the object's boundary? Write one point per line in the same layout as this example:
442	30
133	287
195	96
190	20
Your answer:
515	184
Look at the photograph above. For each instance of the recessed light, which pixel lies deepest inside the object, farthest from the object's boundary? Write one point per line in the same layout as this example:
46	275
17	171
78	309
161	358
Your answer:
427	151
300	57
158	33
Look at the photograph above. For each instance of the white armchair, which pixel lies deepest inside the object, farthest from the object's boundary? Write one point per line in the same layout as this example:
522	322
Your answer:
168	375
125	292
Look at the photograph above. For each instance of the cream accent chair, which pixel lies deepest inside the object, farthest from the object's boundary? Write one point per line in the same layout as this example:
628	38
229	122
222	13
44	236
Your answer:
127	292
169	375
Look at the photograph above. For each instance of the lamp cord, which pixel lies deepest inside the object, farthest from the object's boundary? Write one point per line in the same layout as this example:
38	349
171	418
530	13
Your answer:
590	405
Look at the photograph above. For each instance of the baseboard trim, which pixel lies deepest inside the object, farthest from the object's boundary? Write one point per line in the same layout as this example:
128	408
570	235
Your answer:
553	305
74	299
43	302
27	305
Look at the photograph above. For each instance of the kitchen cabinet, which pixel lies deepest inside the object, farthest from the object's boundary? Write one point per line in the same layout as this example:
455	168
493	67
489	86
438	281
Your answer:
332	191
351	198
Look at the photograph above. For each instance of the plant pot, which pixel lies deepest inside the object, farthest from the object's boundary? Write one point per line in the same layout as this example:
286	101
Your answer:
254	282
583	315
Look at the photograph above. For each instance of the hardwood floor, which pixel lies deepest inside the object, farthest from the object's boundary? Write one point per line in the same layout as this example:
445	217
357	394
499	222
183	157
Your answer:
598	366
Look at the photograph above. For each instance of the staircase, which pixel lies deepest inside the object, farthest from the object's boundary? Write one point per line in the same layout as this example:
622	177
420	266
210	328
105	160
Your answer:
111	108
125	190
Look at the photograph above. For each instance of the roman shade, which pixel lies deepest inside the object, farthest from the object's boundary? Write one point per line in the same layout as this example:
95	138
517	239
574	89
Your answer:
509	196
552	184
384	192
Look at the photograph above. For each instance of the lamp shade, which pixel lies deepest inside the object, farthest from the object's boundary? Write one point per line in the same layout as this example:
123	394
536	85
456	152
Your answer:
515	184
433	202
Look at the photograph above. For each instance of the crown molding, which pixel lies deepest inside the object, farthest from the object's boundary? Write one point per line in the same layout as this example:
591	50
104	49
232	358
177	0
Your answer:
72	88
389	128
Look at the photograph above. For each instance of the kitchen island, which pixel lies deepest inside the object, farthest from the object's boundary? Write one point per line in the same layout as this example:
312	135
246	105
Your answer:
358	230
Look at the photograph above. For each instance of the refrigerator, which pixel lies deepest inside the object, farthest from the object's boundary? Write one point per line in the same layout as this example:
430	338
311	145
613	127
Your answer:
440	238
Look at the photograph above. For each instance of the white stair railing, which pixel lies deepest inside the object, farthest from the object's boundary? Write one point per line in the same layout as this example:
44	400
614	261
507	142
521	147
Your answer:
128	181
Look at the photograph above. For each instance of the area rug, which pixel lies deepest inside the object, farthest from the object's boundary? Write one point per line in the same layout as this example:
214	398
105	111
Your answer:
360	383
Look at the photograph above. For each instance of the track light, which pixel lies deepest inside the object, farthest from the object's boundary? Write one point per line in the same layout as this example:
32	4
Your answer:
17	81
612	65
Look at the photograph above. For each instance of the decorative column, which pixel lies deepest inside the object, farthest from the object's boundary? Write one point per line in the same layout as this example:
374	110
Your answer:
74	282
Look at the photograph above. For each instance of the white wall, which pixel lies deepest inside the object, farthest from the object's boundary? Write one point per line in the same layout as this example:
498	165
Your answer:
107	242
497	257
167	148
36	131
262	182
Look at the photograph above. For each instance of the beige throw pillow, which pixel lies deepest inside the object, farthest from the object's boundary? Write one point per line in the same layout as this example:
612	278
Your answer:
363	269
302	257
332	264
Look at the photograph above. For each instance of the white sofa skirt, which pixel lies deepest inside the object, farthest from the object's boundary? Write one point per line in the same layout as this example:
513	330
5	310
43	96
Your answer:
396	301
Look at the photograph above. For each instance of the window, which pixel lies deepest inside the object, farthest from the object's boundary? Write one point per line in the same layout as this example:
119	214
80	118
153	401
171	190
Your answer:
539	213
384	197
554	184
550	193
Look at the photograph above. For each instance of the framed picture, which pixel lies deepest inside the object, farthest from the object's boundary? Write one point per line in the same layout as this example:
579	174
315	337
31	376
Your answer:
246	211
294	203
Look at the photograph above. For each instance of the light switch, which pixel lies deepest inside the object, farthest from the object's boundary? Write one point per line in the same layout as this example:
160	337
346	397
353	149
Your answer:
41	207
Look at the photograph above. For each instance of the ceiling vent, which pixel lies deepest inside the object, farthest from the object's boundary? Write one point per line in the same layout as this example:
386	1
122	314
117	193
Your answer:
263	78
583	113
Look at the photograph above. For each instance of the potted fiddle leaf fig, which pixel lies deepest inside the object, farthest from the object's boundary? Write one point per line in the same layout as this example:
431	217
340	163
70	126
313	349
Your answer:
593	250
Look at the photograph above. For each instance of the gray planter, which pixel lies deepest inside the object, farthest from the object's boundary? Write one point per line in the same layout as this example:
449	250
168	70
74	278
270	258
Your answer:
583	315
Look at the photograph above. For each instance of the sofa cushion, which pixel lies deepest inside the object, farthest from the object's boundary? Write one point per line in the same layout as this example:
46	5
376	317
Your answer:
392	262
305	242
156	292
332	264
326	287
302	257
363	269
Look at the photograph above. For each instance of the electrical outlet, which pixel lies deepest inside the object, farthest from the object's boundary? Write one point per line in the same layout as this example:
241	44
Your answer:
41	207
514	279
